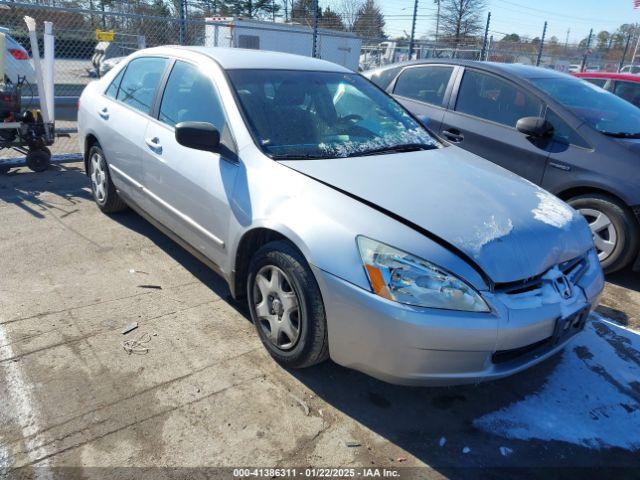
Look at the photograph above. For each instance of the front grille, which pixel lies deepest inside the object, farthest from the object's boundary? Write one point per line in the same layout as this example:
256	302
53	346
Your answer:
573	269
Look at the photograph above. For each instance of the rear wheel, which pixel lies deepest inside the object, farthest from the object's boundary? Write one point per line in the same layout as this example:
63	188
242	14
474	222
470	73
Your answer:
104	192
614	229
286	306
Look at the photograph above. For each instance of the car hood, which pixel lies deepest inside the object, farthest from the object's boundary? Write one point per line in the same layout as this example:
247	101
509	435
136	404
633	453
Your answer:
509	227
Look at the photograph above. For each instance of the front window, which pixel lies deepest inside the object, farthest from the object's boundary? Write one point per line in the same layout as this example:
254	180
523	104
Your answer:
303	114
600	109
492	98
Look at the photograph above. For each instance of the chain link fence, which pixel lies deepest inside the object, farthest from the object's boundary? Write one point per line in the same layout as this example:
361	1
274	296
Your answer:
81	58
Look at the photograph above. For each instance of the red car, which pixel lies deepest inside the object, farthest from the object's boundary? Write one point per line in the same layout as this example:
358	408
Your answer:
624	85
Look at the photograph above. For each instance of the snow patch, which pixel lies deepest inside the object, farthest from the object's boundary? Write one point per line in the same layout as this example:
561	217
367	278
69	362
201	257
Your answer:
589	400
551	210
350	148
490	230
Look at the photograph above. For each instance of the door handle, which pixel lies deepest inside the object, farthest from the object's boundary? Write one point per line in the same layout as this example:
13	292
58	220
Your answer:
104	113
453	135
154	144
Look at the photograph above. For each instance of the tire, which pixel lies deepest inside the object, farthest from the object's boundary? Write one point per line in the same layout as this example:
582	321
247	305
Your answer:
102	188
616	228
38	160
311	346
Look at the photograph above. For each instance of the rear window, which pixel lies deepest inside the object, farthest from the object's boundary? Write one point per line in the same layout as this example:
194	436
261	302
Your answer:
140	81
425	84
383	78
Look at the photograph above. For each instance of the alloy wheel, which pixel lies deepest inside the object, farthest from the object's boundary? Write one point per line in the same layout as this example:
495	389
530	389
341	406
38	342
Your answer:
98	177
604	232
277	307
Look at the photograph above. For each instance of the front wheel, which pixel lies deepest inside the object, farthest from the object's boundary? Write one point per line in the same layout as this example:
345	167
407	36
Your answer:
286	306
614	229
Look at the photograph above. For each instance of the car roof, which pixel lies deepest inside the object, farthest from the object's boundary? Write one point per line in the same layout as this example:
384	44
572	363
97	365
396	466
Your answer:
511	69
610	75
242	58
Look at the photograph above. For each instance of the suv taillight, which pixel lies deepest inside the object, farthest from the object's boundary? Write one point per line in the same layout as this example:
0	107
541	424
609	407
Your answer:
19	54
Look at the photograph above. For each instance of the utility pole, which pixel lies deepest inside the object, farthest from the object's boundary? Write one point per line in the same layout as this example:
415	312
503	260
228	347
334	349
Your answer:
624	54
486	37
314	6
635	50
413	28
544	32
586	52
438	21
182	23
566	42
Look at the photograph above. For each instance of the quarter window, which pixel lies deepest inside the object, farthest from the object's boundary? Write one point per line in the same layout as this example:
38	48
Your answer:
139	83
425	84
489	97
190	97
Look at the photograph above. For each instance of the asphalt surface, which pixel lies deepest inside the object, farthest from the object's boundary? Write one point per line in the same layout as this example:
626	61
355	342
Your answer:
207	394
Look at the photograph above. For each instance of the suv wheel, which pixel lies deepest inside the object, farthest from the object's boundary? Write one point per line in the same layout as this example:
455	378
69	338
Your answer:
104	192
286	306
614	229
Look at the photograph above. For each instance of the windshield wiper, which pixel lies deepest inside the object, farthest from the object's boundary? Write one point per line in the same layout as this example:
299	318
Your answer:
295	156
622	134
405	147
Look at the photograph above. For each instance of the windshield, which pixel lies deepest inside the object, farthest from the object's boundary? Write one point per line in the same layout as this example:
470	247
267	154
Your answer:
602	110
304	114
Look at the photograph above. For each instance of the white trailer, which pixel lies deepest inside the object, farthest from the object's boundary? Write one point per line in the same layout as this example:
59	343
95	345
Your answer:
342	48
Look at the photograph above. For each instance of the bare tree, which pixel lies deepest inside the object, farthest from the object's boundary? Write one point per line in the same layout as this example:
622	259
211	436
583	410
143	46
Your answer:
461	19
348	10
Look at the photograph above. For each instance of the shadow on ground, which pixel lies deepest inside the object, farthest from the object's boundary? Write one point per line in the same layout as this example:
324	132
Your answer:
626	278
578	409
417	419
24	188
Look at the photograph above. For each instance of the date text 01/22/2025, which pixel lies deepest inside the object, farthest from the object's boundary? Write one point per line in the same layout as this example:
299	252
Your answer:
316	473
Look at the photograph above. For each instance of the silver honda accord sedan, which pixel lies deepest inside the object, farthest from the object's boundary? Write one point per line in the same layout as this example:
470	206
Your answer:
351	231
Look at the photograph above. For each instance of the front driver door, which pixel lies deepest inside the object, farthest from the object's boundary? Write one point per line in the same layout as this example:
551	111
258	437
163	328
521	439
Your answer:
190	188
483	117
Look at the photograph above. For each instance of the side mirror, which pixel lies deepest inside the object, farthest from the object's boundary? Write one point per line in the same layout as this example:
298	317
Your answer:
536	127
198	135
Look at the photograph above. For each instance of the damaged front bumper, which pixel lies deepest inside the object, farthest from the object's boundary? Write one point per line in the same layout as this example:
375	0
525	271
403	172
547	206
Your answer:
421	346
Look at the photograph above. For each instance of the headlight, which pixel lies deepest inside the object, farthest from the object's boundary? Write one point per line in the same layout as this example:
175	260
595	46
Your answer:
404	278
